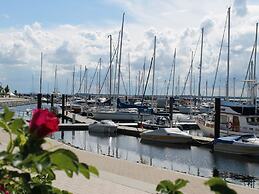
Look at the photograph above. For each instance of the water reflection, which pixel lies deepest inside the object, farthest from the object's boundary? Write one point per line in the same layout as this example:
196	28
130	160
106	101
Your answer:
198	161
193	160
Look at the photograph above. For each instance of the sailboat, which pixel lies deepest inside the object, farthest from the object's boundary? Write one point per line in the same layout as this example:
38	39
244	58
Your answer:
236	118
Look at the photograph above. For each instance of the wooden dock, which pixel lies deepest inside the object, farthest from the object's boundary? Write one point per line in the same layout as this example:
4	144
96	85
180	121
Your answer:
81	123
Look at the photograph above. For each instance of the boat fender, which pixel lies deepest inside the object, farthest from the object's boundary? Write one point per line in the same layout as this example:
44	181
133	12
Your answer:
230	125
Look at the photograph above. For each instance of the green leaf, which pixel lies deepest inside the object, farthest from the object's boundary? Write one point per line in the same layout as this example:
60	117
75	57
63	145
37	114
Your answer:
165	186
83	168
10	146
180	183
4	126
64	160
219	186
20	140
69	173
93	170
169	187
50	174
16	126
8	115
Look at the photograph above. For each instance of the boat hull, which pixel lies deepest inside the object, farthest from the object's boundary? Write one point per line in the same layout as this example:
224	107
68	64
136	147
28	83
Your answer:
166	135
237	148
120	116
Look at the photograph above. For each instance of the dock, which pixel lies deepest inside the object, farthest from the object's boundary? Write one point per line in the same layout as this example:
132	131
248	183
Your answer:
81	123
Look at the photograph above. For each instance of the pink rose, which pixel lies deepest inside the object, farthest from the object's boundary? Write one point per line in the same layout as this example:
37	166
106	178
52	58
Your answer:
43	123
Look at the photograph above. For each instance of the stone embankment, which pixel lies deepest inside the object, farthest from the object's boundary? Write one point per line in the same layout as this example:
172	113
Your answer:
15	101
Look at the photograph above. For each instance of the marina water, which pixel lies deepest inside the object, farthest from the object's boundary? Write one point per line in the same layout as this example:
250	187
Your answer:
198	161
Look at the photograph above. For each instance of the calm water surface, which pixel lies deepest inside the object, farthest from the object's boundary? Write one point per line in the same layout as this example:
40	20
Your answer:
193	160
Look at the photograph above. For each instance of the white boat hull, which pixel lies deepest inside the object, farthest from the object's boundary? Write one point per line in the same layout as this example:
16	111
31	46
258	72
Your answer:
100	127
237	148
164	137
120	116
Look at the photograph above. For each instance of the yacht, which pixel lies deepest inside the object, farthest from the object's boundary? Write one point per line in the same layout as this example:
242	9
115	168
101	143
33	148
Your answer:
167	135
104	126
235	119
242	145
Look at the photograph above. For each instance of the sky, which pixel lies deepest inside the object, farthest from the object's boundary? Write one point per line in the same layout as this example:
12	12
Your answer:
74	33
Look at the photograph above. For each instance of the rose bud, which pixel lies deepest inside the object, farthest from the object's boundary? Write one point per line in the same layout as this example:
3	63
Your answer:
43	123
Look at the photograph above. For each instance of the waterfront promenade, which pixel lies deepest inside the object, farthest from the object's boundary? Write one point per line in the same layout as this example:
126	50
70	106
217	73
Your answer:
15	101
120	176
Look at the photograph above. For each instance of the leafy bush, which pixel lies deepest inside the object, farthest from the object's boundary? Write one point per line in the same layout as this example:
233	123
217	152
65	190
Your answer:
25	167
216	184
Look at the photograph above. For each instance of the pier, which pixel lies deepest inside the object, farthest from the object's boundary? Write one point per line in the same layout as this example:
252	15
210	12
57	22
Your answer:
81	123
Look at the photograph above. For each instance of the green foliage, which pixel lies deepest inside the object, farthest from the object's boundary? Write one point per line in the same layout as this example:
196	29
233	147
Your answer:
216	184
219	186
168	187
25	167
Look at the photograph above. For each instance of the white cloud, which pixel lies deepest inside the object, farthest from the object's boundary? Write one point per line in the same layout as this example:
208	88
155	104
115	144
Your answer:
175	23
240	7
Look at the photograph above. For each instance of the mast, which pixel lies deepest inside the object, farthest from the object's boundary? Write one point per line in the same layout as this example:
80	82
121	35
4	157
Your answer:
119	71
200	67
174	72
191	74
110	36
32	85
144	74
234	87
55	81
227	84
154	67
80	77
129	72
67	87
116	50
206	89
41	62
178	85
255	52
255	87
99	77
73	82
86	79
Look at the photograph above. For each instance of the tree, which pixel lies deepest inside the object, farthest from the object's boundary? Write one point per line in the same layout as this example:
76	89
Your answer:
6	89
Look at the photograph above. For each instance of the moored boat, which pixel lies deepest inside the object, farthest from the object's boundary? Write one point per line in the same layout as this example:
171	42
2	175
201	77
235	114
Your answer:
166	135
235	119
104	126
242	145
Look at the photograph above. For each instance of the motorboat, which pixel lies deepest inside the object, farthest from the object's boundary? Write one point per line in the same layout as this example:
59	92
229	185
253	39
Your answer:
129	114
166	135
156	122
103	126
238	144
235	119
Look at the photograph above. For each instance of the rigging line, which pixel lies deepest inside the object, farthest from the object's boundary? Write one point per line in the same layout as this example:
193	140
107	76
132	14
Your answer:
169	81
81	81
116	65
105	78
191	65
219	57
93	78
151	62
249	64
123	83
